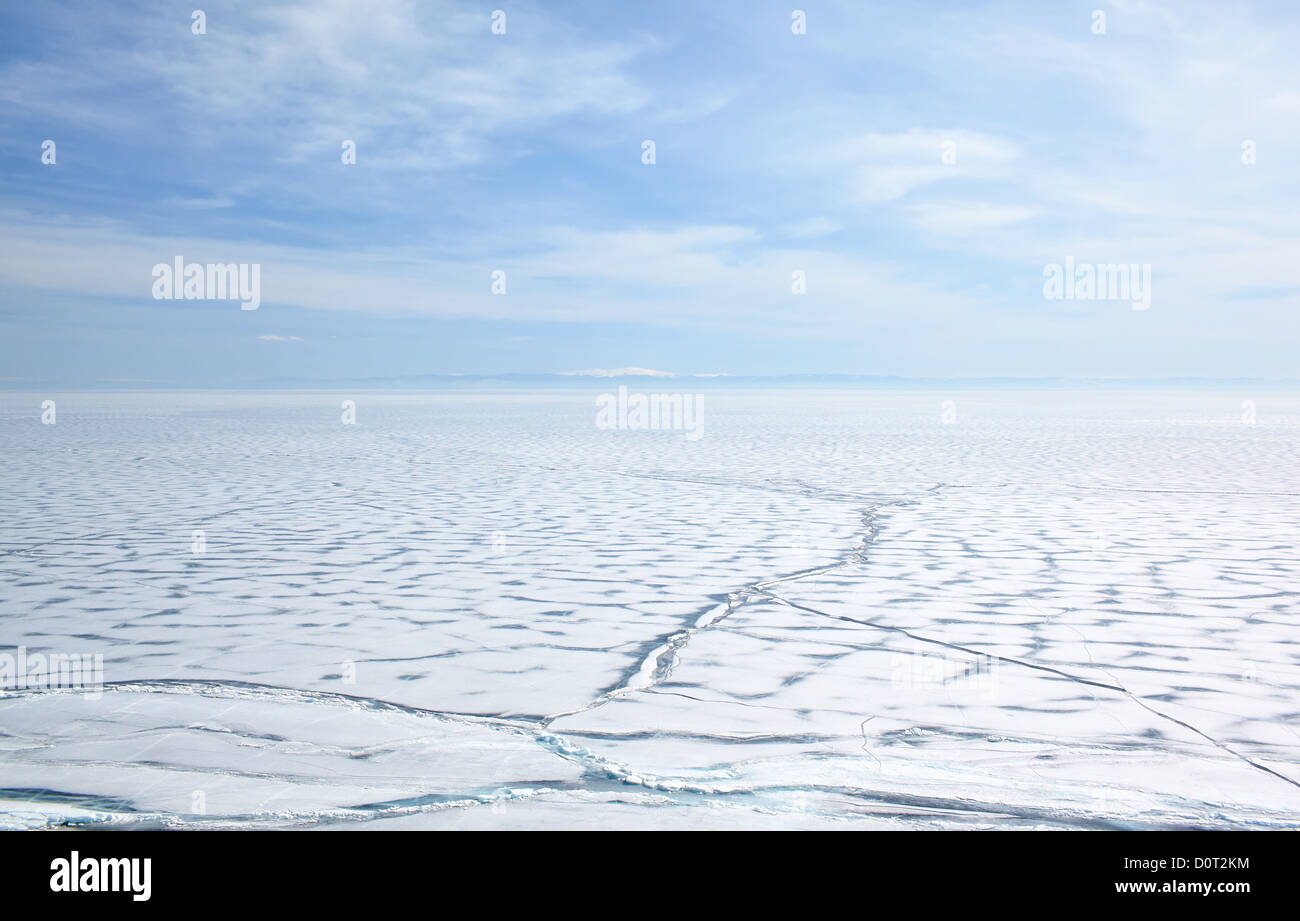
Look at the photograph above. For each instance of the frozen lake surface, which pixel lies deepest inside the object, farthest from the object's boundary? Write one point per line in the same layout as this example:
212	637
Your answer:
844	609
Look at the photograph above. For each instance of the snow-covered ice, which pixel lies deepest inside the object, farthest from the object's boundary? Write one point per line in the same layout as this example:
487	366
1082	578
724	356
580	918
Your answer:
834	609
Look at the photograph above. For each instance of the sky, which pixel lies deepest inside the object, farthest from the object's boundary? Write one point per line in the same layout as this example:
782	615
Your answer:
920	164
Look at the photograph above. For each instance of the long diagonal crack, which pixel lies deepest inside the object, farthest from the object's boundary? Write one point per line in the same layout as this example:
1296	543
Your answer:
1060	673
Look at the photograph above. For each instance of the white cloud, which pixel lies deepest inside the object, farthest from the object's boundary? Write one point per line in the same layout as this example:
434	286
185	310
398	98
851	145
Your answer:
963	218
618	372
1116	148
813	227
718	275
208	203
887	166
415	87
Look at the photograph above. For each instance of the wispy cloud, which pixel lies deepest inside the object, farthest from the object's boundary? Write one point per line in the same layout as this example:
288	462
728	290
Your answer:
916	179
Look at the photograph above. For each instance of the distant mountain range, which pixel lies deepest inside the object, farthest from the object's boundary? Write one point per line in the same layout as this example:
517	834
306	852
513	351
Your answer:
647	378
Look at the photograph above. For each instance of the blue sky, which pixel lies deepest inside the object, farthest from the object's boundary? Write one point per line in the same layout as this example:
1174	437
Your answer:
522	152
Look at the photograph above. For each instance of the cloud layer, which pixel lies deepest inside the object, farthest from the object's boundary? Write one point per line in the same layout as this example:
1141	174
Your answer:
879	195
